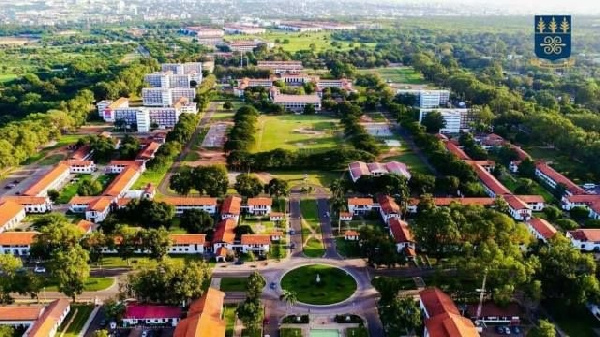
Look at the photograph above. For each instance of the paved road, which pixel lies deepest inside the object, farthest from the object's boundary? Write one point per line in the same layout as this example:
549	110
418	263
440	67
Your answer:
163	186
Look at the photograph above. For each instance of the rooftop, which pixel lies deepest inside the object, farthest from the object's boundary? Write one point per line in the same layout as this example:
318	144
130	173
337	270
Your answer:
9	210
45	181
543	227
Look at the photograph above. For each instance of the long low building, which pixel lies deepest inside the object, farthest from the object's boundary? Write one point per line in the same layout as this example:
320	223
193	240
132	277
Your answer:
31	204
181	204
585	239
52	180
552	178
278	67
295	103
441	316
11	214
204	317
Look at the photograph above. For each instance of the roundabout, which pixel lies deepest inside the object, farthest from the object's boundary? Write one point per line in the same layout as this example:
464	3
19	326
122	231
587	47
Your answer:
319	284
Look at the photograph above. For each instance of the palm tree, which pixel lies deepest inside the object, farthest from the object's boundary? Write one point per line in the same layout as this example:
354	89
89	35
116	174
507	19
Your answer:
289	297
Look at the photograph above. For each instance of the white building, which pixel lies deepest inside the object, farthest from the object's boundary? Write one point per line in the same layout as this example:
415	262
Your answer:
403	238
256	243
428	98
11	214
361	206
31	204
187	243
388	208
295	103
81	166
456	119
585	239
136	314
16	243
259	206
181	204
278	67
52	180
358	169
541	229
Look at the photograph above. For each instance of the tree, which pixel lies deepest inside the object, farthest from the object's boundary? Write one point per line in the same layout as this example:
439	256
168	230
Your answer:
251	313
254	285
9	265
309	109
527	168
7	331
447	184
543	329
435	230
400	316
114	309
156	242
195	221
525	186
421	183
101	333
501	205
227	105
126	242
338	199
71	270
277	188
248	185
170	282
53	195
566	224
433	121
148	213
89	187
210	180
552	212
567	274
579	213
28	283
289	298
48	219
55	237
94	243
181	182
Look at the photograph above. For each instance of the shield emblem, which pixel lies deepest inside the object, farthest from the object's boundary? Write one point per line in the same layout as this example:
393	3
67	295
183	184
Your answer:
552	36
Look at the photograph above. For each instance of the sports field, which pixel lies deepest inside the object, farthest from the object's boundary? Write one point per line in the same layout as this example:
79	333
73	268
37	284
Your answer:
294	132
406	75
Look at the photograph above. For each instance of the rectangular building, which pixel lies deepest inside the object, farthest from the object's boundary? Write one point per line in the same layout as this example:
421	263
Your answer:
456	119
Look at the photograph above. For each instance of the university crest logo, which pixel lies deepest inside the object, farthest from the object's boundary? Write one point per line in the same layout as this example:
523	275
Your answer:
552	36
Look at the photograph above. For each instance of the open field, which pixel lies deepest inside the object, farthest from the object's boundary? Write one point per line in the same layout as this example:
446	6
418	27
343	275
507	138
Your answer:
152	176
406	75
13	40
229	318
296	133
334	285
113	261
92	284
408	157
293	41
318	178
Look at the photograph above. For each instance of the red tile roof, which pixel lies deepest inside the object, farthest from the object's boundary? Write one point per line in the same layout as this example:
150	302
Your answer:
345	215
17	238
85	226
50	317
20	313
490	181
463	201
450	325
255	239
543	227
8	211
520	152
100	204
260	201
204	317
190	201
117	186
490	309
82	200
514	202
188	239
531	199
583	198
592	235
224	231
25	200
545	169
47	179
437	302
81	153
231	205
388	204
457	151
139	311
358	168
350	233
400	231
148	152
360	201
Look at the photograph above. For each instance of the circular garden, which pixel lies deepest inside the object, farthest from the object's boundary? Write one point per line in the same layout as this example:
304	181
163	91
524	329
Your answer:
319	284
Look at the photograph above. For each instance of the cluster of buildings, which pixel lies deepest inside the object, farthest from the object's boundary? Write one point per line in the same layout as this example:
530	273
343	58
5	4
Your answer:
291	74
171	92
358	169
36	320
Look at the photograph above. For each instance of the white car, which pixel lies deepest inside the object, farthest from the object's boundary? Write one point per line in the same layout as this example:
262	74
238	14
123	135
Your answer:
39	269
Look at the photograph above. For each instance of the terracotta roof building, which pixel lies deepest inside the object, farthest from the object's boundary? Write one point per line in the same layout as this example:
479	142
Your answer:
224	233
206	204
442	316
11	215
231	207
358	169
205	317
52	317
585	239
50	181
553	178
143	314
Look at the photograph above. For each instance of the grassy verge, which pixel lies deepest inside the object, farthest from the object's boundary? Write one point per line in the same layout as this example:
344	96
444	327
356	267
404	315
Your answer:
317	178
314	248
308	209
334	285
233	284
357	332
153	177
81	313
248	333
291	332
229	317
92	284
113	261
347	248
405	75
52	160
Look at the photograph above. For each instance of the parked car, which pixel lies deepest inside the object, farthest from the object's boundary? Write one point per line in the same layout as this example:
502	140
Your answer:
499	329
16	181
292	232
144	333
39	269
515	329
239	261
272	285
507	330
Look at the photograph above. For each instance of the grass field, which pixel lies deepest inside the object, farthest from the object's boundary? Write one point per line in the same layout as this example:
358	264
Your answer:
233	284
152	176
512	184
314	248
308	208
52	160
292	42
92	284
296	133
408	157
357	332
318	178
406	75
574	321
70	190
335	284
113	261
229	318
291	332
81	313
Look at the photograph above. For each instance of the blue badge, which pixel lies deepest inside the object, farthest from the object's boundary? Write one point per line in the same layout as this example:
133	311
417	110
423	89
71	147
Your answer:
552	36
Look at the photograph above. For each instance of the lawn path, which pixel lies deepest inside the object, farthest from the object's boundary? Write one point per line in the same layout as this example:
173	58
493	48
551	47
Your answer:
260	134
62	333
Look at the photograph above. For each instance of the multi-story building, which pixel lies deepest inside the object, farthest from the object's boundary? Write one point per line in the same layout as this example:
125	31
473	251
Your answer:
244	30
361	206
585	239
181	204
456	119
295	103
279	67
173	80
166	97
432	98
127	115
259	206
106	108
182	68
442	317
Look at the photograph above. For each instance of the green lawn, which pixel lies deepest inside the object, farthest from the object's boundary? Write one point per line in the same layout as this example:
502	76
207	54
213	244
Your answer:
314	248
82	313
92	284
574	321
114	261
234	284
318	178
248	333
405	75
152	176
293	41
512	184
52	160
70	190
292	132
290	332
357	332
223	116
229	317
347	248
334	286
408	157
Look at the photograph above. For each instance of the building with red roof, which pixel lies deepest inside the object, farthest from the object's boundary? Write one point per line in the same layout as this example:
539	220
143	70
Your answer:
491	185
11	214
259	206
457	151
256	243
16	243
403	238
585	239
224	235
206	204
552	178
52	317
52	180
358	169
541	229
82	153
388	208
204	318
136	313
231	208
442	318
147	153
351	235
492	313
517	209
31	204
361	206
